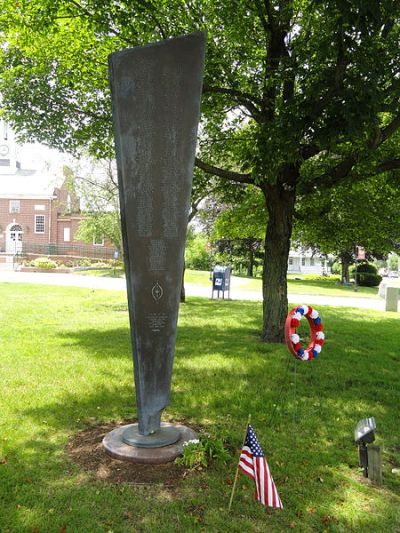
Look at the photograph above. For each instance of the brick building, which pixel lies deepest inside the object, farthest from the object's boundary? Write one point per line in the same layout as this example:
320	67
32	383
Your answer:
38	213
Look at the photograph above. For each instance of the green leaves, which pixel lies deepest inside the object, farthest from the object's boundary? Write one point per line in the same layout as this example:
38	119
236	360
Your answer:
303	74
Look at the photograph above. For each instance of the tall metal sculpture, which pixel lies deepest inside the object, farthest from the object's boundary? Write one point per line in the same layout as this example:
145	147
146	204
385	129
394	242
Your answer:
156	92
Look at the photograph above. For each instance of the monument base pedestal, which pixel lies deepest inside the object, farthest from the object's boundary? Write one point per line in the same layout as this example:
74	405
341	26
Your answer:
166	435
115	445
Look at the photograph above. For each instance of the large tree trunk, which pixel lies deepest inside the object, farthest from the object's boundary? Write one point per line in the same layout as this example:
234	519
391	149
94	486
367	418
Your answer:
280	200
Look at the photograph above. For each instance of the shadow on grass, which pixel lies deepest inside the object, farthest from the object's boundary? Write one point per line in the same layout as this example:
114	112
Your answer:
304	415
105	343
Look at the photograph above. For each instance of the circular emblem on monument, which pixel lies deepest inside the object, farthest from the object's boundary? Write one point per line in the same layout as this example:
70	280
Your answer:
3	149
157	292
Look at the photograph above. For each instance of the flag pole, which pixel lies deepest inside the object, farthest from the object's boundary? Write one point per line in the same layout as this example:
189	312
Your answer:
237	468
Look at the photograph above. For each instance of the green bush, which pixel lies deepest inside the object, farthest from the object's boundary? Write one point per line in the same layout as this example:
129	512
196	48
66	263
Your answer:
393	262
336	268
100	264
366	279
197	256
44	262
315	277
84	262
365	267
366	275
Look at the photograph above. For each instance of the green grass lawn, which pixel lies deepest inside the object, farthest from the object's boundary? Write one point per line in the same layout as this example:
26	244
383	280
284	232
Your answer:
65	364
103	273
296	285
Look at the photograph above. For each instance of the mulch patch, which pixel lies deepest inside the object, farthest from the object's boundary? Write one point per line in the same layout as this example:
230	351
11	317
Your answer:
86	450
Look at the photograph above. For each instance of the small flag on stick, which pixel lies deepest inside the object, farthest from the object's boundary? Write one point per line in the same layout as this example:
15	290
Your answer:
252	463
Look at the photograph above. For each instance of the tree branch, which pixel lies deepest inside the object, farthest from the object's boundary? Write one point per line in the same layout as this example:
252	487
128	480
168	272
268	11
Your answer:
87	113
270	13
247	100
224	174
232	92
309	150
340	171
276	50
390	129
390	164
261	16
93	15
387	28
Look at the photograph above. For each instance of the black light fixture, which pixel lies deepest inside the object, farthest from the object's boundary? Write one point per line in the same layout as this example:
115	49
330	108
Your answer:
364	434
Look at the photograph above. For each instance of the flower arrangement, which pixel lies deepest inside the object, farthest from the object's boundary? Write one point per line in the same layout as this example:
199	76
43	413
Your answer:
317	335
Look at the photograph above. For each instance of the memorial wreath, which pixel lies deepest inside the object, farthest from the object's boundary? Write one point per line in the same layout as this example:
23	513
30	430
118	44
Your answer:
293	339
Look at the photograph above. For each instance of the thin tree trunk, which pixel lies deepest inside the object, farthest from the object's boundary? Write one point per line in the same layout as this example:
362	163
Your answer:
280	201
183	292
345	259
250	262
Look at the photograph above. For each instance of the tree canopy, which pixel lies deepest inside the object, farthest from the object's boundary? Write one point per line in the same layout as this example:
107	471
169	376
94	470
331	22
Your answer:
364	213
299	95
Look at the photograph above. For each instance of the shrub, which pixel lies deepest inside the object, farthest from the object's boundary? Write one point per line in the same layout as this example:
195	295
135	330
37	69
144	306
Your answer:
100	264
366	275
315	277
198	453
393	262
365	267
336	268
197	256
365	279
44	262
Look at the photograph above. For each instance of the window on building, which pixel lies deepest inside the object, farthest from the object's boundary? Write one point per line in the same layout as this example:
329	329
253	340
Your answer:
303	261
290	261
312	261
15	206
39	223
67	234
98	240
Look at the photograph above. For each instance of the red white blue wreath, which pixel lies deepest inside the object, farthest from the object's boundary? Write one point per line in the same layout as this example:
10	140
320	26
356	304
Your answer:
293	339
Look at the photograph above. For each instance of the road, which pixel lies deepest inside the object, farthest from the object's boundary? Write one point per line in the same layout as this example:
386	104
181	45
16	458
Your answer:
118	284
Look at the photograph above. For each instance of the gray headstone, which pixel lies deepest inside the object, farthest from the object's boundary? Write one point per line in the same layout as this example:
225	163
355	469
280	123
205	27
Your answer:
156	92
392	298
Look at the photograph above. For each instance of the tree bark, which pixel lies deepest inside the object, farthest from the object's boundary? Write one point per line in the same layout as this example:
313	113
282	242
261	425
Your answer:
280	201
345	260
183	292
250	262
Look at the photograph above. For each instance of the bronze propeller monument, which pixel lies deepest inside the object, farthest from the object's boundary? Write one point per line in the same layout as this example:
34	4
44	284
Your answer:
156	92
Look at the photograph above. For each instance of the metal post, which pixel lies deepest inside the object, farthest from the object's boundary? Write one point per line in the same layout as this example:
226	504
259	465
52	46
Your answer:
363	458
375	464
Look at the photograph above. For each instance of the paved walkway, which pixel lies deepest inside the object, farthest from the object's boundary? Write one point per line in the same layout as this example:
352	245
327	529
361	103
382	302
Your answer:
117	284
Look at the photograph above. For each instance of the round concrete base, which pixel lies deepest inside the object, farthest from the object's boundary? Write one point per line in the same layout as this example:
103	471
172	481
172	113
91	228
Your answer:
117	448
166	435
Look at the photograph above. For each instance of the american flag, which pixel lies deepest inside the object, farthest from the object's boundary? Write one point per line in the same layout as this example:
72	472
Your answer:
252	463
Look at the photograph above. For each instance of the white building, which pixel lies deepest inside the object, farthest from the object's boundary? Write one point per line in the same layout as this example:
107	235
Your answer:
305	262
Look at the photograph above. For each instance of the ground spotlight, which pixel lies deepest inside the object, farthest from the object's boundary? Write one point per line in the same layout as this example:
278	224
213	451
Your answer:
364	434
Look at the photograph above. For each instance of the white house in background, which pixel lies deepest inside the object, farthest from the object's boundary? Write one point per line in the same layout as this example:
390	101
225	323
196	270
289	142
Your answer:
304	262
